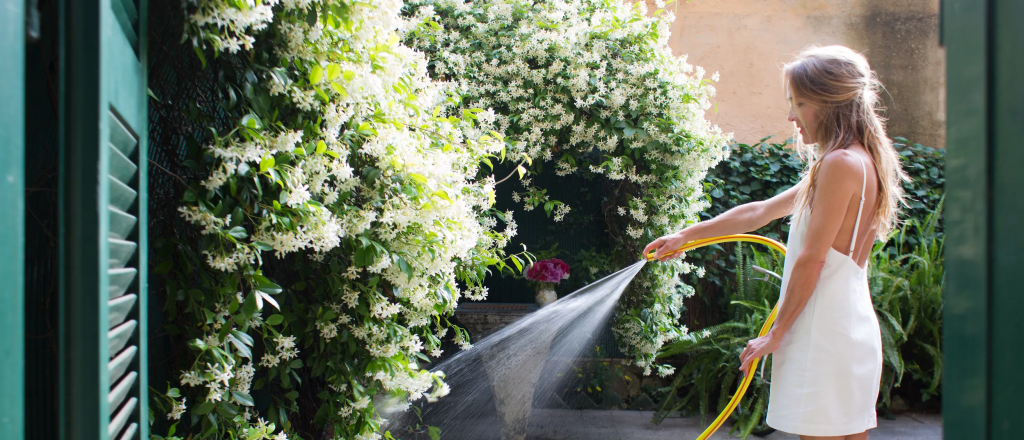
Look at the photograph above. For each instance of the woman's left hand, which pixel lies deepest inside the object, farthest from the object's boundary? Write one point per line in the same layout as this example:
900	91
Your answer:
756	348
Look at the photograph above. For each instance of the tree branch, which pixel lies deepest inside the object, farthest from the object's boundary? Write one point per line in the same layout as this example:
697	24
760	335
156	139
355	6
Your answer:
170	173
510	174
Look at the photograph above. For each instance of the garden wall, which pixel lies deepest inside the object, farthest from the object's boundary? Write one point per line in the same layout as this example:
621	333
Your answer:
748	40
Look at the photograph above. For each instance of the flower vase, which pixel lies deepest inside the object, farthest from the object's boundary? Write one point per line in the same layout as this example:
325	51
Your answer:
545	296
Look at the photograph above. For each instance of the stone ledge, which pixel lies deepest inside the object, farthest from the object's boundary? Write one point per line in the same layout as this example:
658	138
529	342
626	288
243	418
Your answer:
482	319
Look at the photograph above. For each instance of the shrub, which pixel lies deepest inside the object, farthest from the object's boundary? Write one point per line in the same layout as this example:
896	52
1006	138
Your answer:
906	288
762	170
340	221
589	90
709	373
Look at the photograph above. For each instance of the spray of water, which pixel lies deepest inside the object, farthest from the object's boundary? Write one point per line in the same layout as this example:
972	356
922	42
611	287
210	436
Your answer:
494	384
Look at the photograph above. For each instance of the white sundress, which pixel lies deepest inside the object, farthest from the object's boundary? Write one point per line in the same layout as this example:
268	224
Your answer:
826	371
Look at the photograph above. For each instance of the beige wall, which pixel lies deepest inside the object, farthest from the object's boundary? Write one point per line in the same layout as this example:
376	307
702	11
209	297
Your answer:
747	41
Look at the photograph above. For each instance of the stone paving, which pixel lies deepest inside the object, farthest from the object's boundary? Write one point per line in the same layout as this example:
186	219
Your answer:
566	424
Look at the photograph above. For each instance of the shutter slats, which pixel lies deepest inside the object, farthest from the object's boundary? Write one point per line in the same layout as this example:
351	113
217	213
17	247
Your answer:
120	252
125	21
119	308
129	432
123	270
121	223
104	221
118	336
121	280
120	391
121	137
121	418
121	167
119	364
121	195
130	10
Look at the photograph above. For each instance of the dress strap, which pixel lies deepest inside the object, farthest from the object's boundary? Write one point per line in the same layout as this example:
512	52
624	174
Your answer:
860	209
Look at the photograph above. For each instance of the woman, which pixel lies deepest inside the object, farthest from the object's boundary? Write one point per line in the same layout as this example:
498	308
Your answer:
826	342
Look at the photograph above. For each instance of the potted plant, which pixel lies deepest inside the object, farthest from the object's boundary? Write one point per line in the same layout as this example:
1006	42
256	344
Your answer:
545	274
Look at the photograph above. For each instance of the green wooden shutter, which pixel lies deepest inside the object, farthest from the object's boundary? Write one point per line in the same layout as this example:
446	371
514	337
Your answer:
984	205
12	219
104	220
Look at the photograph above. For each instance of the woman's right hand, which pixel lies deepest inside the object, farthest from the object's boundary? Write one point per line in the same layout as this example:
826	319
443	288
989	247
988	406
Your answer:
666	244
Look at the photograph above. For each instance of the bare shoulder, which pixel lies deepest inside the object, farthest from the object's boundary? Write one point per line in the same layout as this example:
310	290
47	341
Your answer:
840	169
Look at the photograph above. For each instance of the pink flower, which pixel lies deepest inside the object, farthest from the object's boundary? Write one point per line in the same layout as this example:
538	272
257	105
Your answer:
563	266
548	271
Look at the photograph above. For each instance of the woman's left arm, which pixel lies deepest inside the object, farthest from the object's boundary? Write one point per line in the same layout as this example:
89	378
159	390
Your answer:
838	181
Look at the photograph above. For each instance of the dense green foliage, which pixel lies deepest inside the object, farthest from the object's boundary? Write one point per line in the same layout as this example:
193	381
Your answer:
762	170
906	280
906	287
589	89
709	375
338	222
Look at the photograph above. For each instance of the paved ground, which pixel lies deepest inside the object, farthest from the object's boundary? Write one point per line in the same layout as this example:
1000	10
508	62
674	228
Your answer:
566	424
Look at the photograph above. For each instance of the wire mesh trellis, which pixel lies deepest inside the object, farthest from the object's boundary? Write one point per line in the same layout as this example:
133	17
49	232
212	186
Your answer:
182	91
42	294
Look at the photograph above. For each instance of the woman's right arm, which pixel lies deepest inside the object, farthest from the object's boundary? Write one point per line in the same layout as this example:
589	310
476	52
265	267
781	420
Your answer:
744	218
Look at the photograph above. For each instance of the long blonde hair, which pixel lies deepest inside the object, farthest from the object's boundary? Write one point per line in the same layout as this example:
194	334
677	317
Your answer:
840	81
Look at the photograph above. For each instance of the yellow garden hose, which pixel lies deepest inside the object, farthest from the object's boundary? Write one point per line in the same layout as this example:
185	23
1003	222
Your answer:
735	401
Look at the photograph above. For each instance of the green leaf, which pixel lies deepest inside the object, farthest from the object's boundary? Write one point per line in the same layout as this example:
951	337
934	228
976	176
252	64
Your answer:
519	264
243	398
246	339
203	408
333	72
243	351
164	267
319	92
311	21
365	256
366	129
249	306
199	53
267	163
321	146
442	194
238	232
316	75
275	319
252	121
406	267
269	287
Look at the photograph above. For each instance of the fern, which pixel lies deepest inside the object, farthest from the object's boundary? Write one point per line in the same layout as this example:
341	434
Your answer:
711	355
906	284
